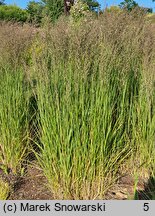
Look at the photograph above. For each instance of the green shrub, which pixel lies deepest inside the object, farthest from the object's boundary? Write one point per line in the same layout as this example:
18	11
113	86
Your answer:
13	12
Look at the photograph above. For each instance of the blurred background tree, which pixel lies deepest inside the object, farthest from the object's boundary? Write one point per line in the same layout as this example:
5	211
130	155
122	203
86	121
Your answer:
35	11
54	8
128	4
131	4
92	4
1	2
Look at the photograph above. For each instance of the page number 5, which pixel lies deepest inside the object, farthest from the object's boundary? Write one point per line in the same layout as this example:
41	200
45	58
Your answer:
146	207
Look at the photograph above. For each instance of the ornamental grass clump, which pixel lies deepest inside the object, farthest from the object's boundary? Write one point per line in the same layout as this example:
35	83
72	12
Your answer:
83	96
13	120
94	110
15	42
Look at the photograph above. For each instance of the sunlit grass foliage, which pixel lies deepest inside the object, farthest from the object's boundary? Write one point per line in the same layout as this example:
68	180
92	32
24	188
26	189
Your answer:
94	104
96	108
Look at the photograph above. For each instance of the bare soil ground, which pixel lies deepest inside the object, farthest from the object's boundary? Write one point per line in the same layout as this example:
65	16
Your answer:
32	186
124	189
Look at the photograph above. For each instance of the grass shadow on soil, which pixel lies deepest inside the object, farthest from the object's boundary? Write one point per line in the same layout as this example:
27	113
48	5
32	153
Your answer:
149	190
33	127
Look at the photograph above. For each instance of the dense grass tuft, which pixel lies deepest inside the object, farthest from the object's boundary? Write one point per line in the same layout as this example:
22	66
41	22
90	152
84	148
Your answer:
93	87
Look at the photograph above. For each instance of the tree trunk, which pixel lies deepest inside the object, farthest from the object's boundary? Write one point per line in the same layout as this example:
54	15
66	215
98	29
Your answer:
67	6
